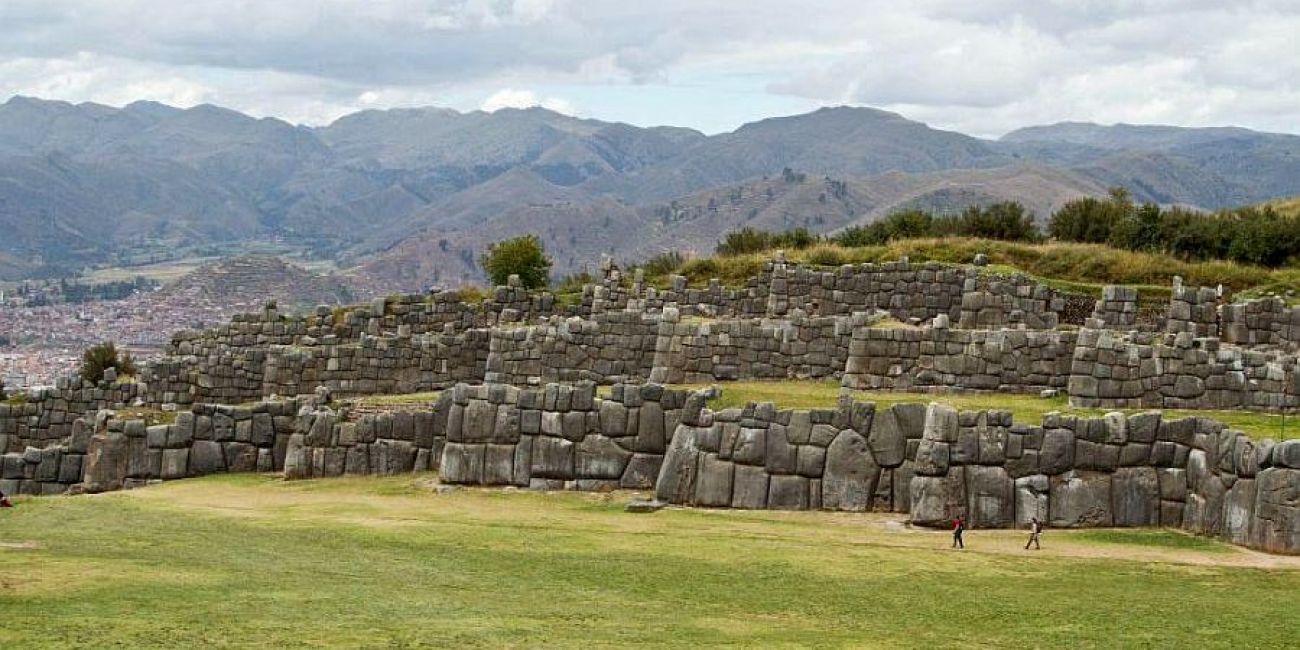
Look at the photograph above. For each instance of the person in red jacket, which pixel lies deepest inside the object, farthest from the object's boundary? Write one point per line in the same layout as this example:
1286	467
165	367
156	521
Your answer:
958	527
4	500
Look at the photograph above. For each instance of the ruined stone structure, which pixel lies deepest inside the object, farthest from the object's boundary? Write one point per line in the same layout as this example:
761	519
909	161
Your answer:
521	402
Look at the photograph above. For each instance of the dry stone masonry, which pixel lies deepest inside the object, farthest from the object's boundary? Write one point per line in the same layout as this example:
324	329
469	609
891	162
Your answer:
535	393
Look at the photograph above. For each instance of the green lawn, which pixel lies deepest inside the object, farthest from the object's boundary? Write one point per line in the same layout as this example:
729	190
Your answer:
252	561
1025	407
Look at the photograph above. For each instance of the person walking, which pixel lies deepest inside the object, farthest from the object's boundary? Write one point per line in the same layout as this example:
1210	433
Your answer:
1035	529
958	527
4	500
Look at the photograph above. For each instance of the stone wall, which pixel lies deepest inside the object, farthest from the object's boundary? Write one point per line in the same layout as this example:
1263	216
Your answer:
378	364
608	348
1138	369
103	452
933	462
560	435
701	352
850	458
937	463
1193	310
45	417
1005	360
1264	321
1117	309
329	443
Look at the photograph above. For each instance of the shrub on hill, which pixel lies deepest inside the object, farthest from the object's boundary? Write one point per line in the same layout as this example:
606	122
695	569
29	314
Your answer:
751	240
98	358
523	256
1005	221
1250	235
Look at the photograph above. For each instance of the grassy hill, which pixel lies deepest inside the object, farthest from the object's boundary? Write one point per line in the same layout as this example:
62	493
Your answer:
1289	207
1067	266
245	560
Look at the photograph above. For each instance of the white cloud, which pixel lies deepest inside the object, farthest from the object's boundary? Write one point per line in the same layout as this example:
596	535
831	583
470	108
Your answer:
984	67
512	98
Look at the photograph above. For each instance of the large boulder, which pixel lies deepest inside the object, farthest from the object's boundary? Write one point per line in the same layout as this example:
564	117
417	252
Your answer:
600	457
642	471
989	497
552	458
713	482
788	493
1135	496
206	458
462	463
1080	499
1277	511
106	462
389	457
888	441
297	464
498	463
937	500
1032	499
851	473
676	483
1239	511
1057	453
749	487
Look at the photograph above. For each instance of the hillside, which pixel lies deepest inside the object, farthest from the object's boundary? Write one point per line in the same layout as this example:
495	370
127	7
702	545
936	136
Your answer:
254	279
410	196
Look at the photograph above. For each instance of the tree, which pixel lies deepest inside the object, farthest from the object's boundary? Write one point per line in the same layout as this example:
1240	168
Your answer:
98	358
523	256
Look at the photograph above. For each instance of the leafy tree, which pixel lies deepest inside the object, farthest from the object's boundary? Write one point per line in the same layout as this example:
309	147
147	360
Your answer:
1090	219
523	256
663	263
860	236
1007	220
745	240
98	358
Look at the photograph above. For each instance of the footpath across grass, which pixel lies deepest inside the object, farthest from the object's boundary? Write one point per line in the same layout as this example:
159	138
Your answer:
1024	407
249	561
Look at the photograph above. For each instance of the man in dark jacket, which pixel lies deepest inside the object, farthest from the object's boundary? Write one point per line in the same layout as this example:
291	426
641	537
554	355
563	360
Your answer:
958	527
1035	529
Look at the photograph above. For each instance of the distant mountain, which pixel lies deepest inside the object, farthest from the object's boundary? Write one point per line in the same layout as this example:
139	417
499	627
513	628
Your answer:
409	197
1207	167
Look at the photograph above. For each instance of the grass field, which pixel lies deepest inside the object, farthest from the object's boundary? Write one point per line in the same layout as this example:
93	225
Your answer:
1024	407
243	560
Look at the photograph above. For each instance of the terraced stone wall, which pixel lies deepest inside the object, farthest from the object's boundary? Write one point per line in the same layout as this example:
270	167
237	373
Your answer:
690	351
378	365
1005	360
45	417
1264	321
1143	369
608	348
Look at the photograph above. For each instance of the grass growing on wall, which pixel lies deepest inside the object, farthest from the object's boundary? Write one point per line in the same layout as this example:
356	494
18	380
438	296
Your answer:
241	560
1028	408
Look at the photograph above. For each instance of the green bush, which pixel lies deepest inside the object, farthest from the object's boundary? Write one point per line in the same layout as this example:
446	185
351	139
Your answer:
1250	235
98	358
664	263
523	256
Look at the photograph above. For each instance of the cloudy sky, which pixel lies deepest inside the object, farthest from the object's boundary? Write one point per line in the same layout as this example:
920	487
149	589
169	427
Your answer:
982	67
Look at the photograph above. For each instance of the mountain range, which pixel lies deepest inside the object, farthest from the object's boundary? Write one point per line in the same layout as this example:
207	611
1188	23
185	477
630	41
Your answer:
405	198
